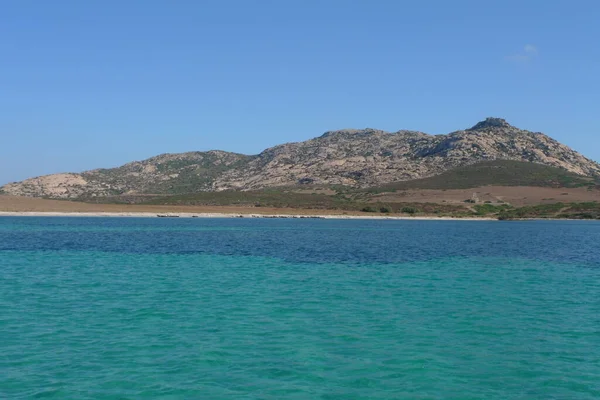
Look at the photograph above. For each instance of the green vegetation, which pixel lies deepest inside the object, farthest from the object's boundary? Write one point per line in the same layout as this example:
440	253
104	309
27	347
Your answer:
487	209
499	172
292	199
587	210
261	198
190	173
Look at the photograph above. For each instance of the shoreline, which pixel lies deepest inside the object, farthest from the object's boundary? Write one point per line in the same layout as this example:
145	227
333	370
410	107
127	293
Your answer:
232	215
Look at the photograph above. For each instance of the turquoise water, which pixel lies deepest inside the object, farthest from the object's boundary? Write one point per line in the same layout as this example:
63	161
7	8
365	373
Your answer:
298	309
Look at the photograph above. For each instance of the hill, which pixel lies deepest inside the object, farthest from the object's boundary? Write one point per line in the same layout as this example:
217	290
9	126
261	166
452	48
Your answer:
353	158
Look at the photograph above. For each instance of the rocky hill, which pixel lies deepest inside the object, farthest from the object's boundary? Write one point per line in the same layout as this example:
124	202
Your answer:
356	158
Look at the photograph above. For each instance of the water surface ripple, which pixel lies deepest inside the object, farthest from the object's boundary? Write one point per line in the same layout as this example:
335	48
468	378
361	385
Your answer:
117	308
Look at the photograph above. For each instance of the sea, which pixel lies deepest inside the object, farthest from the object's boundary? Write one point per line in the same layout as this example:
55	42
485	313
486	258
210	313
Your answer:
197	308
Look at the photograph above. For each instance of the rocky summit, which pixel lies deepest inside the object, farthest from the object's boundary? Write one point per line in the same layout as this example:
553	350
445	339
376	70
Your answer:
350	157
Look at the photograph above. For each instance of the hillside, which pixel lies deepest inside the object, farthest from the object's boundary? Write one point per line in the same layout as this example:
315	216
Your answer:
497	172
363	158
353	158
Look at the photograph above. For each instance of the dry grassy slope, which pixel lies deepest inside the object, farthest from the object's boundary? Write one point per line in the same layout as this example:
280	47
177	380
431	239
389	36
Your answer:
29	204
517	196
357	158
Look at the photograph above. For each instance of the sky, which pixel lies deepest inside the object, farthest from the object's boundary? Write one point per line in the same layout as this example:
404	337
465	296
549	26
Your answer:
90	84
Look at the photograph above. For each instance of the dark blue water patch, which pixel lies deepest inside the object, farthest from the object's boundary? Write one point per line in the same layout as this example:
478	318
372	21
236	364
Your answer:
310	240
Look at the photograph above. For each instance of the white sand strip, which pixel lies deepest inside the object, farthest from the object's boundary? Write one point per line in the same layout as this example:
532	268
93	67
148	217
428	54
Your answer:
229	215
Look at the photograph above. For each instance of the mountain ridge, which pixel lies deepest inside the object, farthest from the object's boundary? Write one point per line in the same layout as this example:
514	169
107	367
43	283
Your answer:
349	157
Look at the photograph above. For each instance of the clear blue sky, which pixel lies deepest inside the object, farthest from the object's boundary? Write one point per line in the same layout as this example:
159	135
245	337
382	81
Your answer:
88	84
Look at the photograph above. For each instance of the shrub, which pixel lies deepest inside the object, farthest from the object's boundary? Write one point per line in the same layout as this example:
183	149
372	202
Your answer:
368	209
586	215
503	216
409	210
385	210
483	209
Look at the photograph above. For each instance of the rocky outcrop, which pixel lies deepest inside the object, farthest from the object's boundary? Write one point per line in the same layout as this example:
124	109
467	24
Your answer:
166	173
371	157
352	157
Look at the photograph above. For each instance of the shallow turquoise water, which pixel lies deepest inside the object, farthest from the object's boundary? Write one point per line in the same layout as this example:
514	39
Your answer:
301	309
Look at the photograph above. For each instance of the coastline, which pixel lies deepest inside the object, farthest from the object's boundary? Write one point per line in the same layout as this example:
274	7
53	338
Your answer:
232	215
